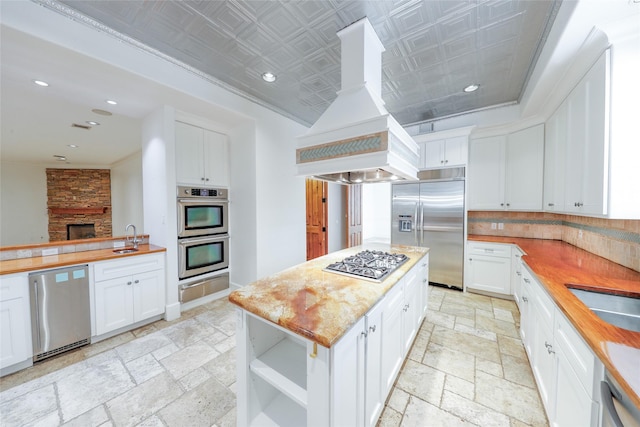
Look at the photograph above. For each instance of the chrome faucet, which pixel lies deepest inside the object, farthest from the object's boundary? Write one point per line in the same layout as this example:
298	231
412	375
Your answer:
135	240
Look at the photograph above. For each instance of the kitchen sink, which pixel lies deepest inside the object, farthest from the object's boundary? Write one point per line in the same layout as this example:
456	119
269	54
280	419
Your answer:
619	310
124	251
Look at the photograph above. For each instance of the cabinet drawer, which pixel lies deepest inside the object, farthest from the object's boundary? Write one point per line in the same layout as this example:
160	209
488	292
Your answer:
491	249
543	302
12	287
580	357
127	266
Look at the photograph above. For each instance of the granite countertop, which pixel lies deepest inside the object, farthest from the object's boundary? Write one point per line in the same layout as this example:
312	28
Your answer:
54	261
557	263
317	304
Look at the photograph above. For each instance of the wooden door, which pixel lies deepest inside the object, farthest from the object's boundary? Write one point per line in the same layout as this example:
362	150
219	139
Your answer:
316	218
354	215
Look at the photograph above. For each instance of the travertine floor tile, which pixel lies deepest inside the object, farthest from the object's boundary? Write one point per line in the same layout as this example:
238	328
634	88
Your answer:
450	361
189	332
398	400
139	403
144	368
223	367
419	413
421	381
500	327
467	343
389	418
95	417
473	412
143	345
188	359
21	411
518	371
459	386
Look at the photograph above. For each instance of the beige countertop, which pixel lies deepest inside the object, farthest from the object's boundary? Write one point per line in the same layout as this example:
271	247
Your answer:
317	304
557	263
61	260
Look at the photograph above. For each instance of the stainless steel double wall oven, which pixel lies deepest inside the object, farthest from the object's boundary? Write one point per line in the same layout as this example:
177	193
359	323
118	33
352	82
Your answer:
203	239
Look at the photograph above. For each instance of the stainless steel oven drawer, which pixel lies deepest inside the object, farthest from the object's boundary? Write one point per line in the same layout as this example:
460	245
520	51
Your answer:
201	288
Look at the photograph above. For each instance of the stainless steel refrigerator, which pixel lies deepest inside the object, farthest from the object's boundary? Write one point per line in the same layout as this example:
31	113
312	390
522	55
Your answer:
430	213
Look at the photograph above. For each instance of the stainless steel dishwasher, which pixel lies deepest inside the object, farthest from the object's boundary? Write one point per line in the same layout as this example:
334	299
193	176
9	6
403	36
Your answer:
60	315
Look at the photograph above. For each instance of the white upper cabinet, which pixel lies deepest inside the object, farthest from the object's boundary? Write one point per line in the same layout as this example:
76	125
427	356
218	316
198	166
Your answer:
443	153
524	169
587	160
202	157
554	160
505	172
486	173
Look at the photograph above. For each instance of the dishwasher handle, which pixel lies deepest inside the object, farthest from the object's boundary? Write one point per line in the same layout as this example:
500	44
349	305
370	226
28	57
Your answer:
609	408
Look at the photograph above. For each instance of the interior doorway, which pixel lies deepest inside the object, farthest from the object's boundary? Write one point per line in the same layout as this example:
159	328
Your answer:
353	204
317	218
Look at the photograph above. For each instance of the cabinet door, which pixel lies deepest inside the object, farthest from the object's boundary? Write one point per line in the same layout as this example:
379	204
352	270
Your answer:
392	341
148	295
575	407
489	273
347	400
455	151
432	154
486	173
15	339
554	160
524	164
516	276
543	360
15	320
423	288
374	395
576	137
189	152
410	309
114	304
216	159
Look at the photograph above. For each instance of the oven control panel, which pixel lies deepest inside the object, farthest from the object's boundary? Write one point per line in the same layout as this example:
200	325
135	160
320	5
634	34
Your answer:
211	193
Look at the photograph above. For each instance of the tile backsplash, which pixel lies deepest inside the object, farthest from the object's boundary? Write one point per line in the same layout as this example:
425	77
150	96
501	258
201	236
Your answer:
615	240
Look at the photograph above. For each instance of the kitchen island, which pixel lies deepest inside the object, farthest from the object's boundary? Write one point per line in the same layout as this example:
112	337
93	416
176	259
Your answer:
308	339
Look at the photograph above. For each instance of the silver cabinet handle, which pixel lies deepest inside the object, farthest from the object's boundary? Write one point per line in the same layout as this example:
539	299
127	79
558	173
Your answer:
363	334
129	282
136	281
372	328
525	299
519	273
550	204
527	280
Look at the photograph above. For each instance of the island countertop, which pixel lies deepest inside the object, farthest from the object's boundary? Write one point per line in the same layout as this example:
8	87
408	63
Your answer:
557	264
321	305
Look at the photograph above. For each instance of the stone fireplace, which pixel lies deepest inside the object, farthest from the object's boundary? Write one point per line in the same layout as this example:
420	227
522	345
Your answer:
80	198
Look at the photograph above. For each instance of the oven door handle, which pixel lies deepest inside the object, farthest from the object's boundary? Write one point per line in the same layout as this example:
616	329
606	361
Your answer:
204	239
202	202
607	400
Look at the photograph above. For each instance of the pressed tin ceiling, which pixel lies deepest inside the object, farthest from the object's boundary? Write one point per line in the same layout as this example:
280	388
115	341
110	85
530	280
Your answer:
434	49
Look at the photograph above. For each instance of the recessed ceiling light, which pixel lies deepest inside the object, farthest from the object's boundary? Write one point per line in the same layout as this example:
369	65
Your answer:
111	102
269	77
471	88
41	83
92	123
101	112
72	146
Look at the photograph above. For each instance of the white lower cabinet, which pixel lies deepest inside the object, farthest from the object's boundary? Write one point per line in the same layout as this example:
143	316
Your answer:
562	364
15	323
128	291
287	380
489	267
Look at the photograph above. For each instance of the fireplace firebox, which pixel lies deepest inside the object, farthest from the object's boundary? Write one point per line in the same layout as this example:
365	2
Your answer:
80	231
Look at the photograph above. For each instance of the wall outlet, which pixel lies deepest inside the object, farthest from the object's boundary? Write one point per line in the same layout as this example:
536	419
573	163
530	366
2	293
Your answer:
579	234
50	251
493	225
118	244
501	226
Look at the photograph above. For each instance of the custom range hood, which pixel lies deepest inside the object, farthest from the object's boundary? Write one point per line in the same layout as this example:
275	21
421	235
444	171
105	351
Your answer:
356	139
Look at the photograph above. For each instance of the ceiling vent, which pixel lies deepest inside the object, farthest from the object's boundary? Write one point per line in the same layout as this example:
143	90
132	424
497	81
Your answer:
356	139
76	125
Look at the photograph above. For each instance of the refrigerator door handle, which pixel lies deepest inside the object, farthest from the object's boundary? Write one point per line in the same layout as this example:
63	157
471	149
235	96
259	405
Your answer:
416	224
436	228
421	243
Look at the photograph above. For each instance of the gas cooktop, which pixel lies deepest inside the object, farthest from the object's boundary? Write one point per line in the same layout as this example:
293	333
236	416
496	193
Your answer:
368	265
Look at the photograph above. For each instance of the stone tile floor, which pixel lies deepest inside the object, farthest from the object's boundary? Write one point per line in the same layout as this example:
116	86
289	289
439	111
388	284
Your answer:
467	367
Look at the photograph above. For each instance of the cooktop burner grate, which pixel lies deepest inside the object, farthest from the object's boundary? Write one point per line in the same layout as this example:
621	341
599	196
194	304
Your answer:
369	265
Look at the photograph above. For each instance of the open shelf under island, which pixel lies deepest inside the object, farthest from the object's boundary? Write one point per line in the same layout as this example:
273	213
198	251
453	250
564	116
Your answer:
319	348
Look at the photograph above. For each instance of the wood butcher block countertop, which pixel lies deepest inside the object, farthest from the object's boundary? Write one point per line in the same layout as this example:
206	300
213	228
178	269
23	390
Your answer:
320	305
557	263
61	260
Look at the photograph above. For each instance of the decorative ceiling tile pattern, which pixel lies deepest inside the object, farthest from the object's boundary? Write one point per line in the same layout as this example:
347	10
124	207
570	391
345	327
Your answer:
433	48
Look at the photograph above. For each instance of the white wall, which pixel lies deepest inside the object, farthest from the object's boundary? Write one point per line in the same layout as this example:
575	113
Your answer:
126	194
337	224
23	205
376	212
